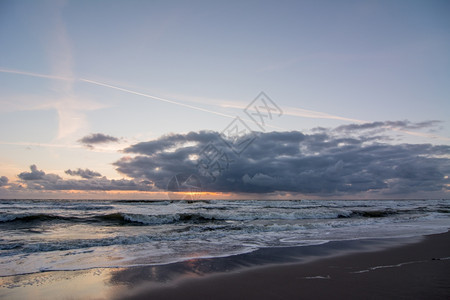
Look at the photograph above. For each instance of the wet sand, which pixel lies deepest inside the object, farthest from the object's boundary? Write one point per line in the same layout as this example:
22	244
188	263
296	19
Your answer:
408	268
412	271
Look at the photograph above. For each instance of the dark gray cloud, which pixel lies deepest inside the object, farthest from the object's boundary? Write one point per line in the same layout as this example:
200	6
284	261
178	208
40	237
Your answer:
39	180
321	163
35	174
170	141
388	125
83	173
347	160
97	138
3	181
94	184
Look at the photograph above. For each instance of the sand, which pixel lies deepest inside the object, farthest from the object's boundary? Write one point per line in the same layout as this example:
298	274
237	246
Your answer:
406	268
415	271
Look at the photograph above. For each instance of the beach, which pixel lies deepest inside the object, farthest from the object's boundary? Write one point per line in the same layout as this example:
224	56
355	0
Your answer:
224	150
410	271
401	268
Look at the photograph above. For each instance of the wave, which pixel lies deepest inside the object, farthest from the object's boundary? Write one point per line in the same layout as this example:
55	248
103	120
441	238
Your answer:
217	215
201	218
116	218
390	212
82	207
370	213
158	202
4	218
158	219
64	245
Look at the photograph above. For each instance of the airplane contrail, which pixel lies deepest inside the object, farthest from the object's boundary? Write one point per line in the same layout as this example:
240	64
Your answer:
307	114
293	111
298	112
19	72
112	87
40	144
49	145
156	98
36	74
168	101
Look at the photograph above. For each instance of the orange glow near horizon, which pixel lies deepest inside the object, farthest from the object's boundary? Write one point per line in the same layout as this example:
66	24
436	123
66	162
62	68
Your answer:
119	194
200	195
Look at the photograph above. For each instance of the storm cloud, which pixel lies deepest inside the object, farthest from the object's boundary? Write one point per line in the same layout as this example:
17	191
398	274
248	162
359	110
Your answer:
387	125
321	163
97	138
34	174
3	181
39	180
83	173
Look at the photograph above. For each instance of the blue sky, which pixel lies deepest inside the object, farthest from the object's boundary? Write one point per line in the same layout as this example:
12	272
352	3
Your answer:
138	70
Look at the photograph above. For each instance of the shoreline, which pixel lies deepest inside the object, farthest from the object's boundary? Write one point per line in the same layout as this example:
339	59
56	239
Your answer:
417	269
308	271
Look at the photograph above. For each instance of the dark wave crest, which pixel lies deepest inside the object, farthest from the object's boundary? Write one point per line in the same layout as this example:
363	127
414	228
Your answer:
139	219
40	217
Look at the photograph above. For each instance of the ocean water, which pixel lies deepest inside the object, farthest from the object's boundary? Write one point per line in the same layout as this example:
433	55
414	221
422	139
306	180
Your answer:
43	235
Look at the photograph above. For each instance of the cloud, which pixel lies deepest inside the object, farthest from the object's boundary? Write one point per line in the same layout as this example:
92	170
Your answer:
39	180
97	138
327	162
35	174
405	127
387	125
95	184
167	142
86	173
3	181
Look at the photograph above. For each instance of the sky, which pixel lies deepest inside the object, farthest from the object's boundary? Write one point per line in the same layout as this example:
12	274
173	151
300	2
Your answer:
226	100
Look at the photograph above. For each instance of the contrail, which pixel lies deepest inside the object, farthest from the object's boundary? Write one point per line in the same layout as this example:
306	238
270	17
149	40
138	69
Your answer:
40	144
167	100
124	90
293	111
422	134
48	145
304	113
157	98
299	112
112	87
36	74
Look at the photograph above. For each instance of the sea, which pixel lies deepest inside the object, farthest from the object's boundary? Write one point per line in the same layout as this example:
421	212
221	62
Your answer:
56	235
